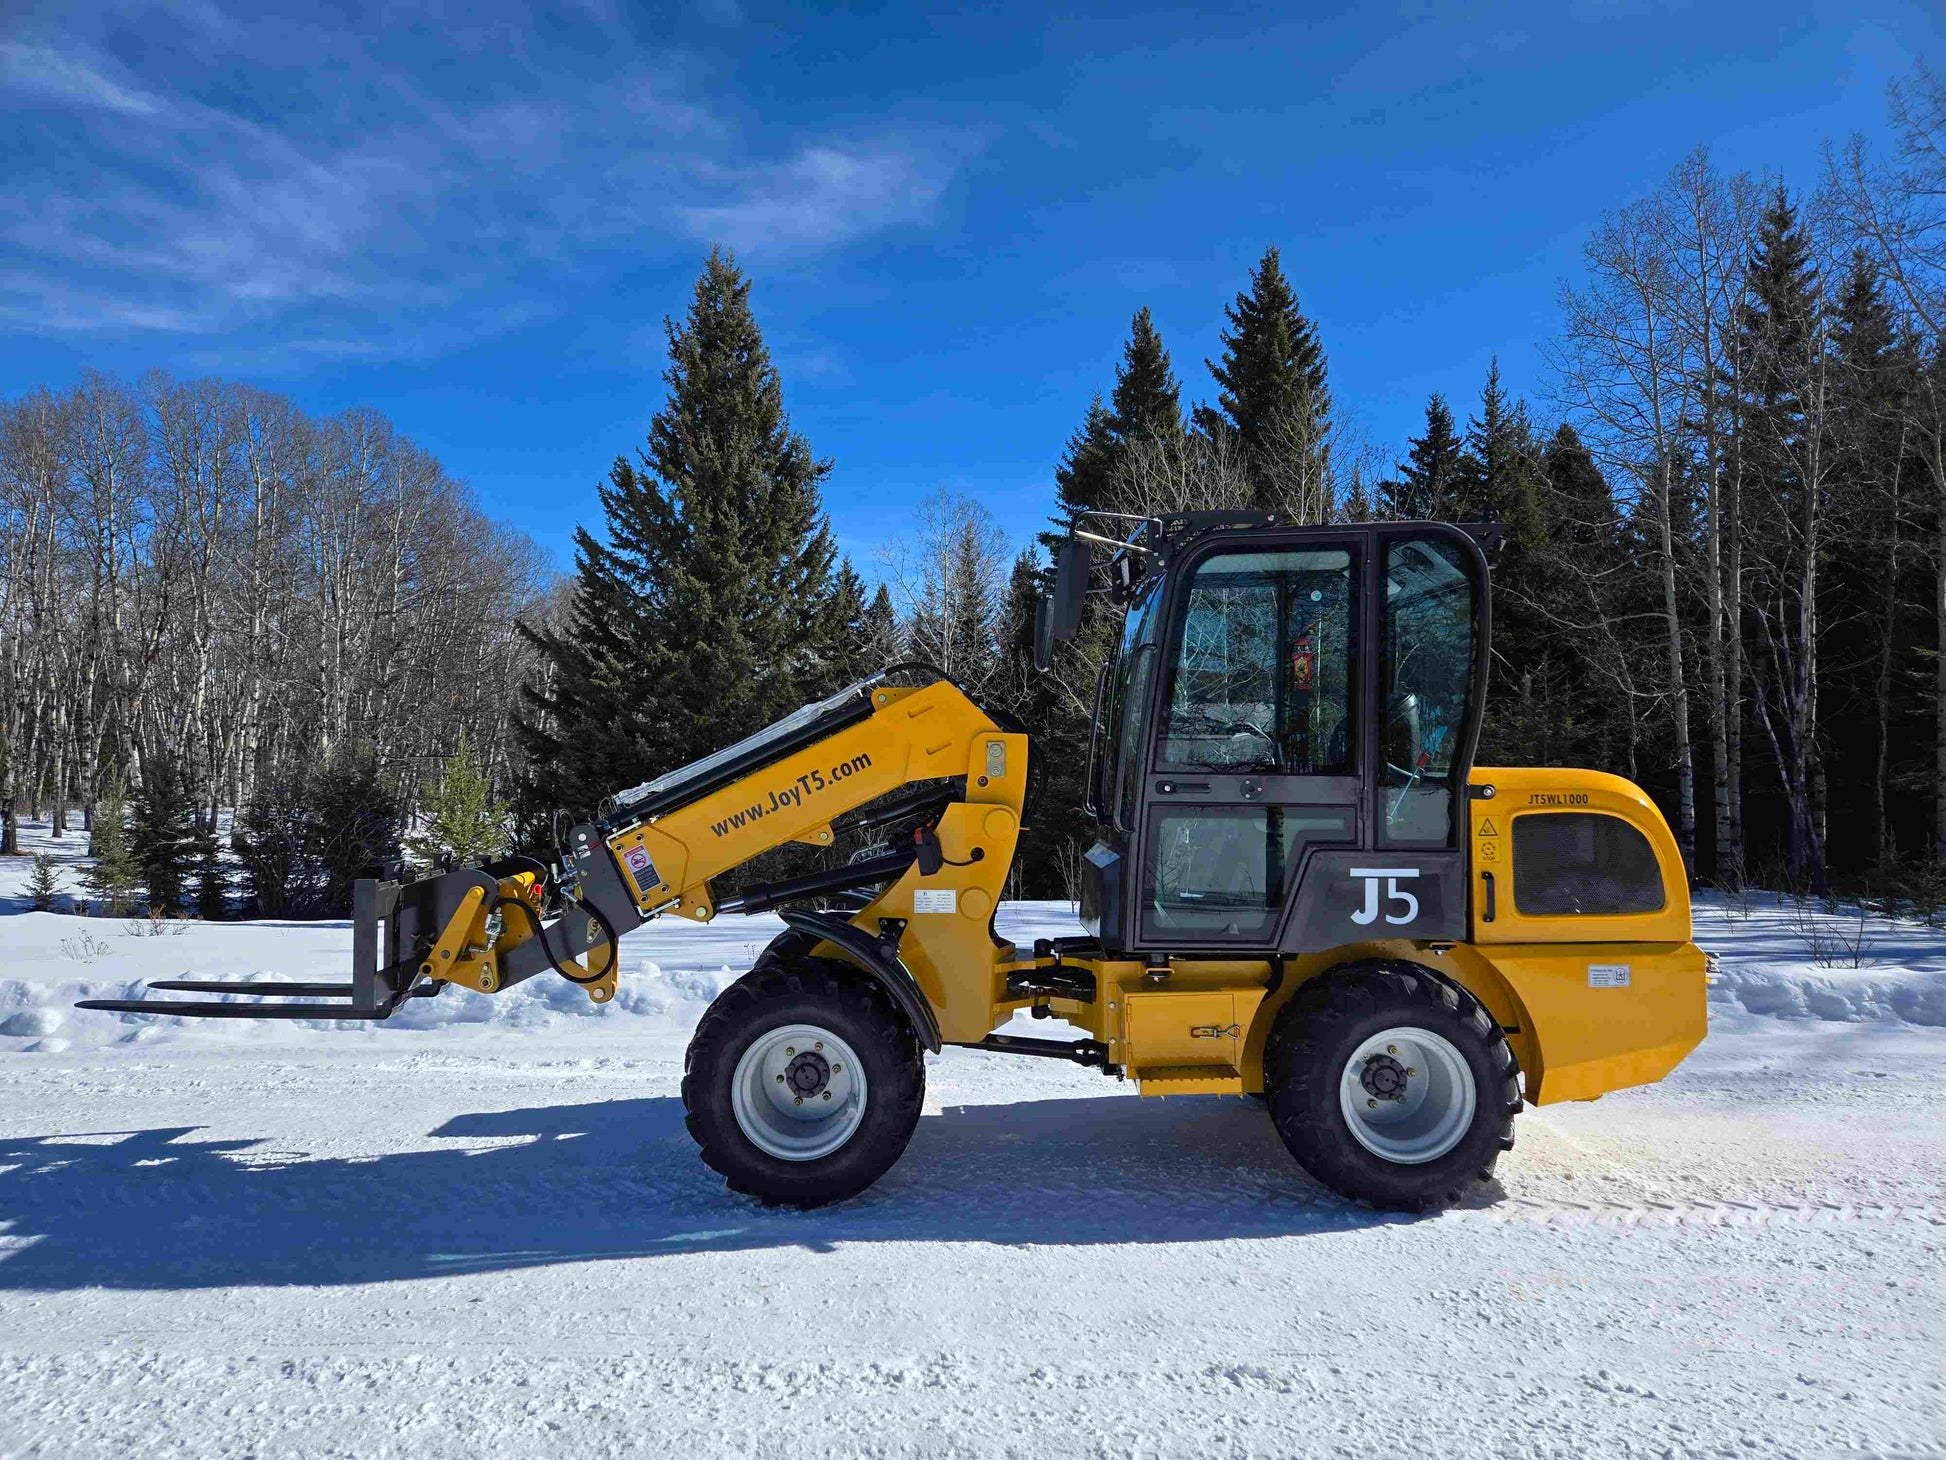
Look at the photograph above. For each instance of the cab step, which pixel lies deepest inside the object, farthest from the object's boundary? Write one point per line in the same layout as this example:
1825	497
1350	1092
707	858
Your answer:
1188	1080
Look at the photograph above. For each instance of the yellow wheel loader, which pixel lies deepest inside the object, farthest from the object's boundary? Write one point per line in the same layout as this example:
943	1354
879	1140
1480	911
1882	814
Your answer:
1300	887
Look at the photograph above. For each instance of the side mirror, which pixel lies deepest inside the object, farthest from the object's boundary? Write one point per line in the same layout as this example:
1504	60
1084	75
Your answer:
1043	632
1057	614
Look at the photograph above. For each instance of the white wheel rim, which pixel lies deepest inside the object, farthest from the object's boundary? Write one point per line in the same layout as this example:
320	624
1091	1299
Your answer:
798	1092
1407	1095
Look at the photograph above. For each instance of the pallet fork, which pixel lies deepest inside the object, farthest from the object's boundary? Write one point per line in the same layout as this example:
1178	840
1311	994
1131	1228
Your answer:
409	940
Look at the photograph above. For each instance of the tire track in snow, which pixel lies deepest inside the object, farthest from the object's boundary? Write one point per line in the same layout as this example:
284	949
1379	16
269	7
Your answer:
1694	1213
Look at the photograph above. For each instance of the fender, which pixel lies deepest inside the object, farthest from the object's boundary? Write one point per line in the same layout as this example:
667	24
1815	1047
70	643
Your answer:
883	965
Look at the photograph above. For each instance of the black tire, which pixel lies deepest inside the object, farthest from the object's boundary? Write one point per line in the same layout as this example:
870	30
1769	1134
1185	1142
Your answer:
788	988
1316	1035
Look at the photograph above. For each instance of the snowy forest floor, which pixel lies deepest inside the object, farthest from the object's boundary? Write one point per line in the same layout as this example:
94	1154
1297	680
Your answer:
481	1230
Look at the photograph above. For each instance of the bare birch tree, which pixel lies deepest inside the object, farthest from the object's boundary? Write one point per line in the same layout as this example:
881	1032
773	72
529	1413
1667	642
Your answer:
1623	375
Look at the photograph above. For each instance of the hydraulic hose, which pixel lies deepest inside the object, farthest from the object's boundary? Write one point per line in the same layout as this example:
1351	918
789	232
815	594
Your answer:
540	928
566	970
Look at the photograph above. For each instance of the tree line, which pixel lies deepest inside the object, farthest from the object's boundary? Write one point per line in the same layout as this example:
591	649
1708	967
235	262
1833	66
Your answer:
1725	574
210	599
1726	516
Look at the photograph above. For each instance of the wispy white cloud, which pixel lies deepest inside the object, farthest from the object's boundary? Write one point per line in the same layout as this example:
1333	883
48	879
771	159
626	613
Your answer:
396	203
44	72
825	194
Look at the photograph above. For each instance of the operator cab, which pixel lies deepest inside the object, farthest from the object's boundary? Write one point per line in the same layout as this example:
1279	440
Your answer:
1283	732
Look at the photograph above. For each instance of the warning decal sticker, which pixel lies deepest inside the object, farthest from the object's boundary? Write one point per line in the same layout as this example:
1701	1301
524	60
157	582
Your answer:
640	867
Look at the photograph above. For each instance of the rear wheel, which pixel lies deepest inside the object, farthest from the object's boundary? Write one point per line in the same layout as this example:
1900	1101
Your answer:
803	1083
1391	1085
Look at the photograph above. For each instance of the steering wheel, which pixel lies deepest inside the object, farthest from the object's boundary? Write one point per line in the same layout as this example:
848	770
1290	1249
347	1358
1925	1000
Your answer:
1237	727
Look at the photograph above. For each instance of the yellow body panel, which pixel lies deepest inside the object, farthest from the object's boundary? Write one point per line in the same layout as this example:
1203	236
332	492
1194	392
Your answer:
1582	1034
1539	791
1589	1003
912	735
1576	1033
1163	1029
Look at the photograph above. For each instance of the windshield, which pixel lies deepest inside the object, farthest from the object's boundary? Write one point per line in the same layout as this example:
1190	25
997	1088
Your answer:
1261	677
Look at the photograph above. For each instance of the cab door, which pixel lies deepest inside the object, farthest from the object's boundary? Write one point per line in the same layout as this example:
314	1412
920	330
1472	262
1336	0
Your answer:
1254	754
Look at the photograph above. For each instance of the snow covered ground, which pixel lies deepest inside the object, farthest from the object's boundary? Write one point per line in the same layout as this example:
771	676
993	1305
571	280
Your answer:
480	1229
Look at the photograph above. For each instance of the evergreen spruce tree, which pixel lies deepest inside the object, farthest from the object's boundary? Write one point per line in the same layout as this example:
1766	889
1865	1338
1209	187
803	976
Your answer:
115	875
1145	405
1597	610
1499	472
212	880
1871	618
352	824
703	614
1584	517
1035	700
459	815
1431	476
881	635
845	653
162	837
1054	709
1500	481
1359	504
273	842
1779	316
43	883
1084	477
1084	481
1274	391
1147	401
1782	343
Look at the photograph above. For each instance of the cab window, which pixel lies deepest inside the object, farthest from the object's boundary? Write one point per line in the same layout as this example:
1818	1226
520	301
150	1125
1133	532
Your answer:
1582	863
1425	681
1263	666
1127	695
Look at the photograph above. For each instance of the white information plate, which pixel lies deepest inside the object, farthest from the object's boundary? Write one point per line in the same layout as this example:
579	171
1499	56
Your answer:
938	900
1608	975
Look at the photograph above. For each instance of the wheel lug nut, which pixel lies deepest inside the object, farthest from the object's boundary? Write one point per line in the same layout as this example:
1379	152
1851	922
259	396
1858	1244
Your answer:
818	1045
790	1049
1410	1072
1373	1104
799	1100
1391	1049
780	1079
835	1069
827	1094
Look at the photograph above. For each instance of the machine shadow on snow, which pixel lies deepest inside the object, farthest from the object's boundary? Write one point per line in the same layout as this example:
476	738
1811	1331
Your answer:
160	1208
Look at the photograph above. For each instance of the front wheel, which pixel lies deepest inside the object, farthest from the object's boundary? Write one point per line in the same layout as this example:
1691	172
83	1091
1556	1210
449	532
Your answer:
802	1083
1391	1085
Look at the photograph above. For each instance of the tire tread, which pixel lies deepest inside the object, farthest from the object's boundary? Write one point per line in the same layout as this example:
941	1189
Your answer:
785	976
1297	1060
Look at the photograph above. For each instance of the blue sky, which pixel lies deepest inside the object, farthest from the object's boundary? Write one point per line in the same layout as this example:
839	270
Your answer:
475	219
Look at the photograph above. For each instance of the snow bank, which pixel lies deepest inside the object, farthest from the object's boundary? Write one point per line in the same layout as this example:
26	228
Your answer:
1793	960
1774	957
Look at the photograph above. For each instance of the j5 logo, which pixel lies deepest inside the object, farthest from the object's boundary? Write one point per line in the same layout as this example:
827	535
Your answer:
1394	894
